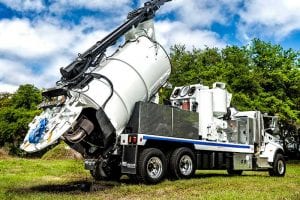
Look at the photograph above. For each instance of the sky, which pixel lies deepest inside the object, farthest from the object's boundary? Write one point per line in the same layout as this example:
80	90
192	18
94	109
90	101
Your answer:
38	37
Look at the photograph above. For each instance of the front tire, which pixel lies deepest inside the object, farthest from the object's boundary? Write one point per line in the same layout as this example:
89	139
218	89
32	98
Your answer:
279	166
151	166
182	163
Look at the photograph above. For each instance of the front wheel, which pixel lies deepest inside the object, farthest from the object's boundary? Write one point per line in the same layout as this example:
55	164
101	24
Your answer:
279	166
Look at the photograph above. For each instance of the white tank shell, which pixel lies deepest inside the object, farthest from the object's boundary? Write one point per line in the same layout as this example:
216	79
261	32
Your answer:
137	70
205	112
219	101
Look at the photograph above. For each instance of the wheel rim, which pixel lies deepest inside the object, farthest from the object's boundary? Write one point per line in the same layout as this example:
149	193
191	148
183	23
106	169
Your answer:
280	166
154	167
186	165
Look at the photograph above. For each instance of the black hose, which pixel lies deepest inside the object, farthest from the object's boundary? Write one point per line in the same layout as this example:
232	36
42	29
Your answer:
99	76
74	79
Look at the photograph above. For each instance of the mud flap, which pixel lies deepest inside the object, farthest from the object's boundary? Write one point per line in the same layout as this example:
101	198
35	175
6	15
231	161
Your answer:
106	127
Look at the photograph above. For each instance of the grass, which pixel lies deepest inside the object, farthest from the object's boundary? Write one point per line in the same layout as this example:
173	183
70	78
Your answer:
66	179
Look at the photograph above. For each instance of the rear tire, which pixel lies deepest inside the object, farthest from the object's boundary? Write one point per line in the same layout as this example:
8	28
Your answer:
151	166
279	166
182	163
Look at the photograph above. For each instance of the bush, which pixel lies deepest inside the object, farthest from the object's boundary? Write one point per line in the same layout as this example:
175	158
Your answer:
61	151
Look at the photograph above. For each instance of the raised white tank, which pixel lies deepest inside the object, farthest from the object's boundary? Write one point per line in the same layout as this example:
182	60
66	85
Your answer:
137	70
205	108
219	101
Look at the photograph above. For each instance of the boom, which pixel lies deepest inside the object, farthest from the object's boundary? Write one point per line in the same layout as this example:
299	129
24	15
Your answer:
93	55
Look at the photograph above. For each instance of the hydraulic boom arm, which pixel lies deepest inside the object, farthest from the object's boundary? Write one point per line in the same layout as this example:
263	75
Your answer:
93	55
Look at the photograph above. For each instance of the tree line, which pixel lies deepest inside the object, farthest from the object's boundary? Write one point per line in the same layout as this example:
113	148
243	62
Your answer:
261	76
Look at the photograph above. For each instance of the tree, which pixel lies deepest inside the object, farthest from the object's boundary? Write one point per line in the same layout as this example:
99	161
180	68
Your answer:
5	99
27	96
16	112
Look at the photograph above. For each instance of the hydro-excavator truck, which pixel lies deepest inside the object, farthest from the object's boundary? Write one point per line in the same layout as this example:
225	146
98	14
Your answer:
105	107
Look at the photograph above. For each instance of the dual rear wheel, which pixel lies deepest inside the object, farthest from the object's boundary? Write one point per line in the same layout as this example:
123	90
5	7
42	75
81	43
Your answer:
153	165
182	163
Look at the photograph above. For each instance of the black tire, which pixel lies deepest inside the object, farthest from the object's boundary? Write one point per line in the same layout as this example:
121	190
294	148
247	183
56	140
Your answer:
151	166
234	172
279	166
182	163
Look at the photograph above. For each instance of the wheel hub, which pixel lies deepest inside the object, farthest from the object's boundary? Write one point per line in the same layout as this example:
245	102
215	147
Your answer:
280	167
186	165
154	167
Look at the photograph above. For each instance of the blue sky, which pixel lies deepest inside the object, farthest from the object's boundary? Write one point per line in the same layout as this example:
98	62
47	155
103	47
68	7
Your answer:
37	37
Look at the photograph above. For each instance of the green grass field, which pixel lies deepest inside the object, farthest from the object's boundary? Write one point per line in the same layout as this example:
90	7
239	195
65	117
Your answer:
66	179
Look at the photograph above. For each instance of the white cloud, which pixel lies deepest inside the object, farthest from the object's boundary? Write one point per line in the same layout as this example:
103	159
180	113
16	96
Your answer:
61	5
269	18
115	6
24	5
15	73
170	33
202	13
45	44
22	38
4	87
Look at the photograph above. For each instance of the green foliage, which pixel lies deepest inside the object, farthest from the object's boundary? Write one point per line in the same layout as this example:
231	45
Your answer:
261	76
16	112
5	100
27	96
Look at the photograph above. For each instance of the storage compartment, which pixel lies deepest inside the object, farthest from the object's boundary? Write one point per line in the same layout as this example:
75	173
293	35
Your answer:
242	161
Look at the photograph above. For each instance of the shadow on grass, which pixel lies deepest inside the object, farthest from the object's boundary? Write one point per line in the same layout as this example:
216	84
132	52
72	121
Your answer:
74	187
70	187
78	187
